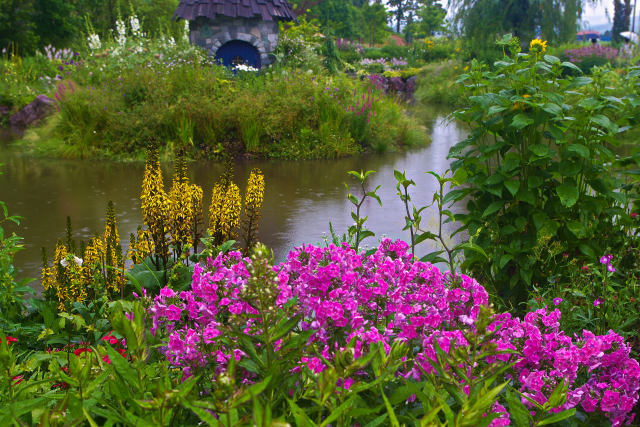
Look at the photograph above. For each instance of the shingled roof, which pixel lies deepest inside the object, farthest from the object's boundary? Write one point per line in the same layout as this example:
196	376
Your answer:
268	10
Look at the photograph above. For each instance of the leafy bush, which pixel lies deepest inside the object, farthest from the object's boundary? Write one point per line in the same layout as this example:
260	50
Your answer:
537	170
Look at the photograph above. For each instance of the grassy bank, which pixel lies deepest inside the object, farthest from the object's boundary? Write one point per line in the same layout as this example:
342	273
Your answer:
279	114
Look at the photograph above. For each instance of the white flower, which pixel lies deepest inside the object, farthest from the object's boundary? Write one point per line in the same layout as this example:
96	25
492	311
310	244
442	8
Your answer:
78	261
135	24
243	67
186	31
94	42
121	29
64	262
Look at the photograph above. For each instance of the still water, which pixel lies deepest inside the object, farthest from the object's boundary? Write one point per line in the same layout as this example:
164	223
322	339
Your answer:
301	197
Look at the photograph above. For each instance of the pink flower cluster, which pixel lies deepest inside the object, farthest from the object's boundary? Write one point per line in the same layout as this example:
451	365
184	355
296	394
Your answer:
598	370
349	301
580	54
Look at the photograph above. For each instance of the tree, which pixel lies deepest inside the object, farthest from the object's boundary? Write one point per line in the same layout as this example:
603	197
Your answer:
17	29
374	22
431	17
482	21
621	15
56	22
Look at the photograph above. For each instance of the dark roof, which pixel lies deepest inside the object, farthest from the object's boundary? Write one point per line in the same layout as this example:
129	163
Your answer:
268	10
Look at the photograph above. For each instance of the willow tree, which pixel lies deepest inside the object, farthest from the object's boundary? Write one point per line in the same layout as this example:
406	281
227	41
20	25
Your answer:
482	21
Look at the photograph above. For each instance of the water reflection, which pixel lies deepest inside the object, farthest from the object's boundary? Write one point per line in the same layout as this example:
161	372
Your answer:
301	198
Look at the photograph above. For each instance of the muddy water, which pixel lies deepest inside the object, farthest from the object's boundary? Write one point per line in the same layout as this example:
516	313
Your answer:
301	197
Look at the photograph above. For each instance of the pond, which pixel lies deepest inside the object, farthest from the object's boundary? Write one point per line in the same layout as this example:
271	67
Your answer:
301	197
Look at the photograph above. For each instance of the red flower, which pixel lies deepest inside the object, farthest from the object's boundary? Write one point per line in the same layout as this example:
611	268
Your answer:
17	380
633	214
110	339
10	339
79	351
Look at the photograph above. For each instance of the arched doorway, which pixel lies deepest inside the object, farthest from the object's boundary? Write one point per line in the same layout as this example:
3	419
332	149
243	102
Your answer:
237	52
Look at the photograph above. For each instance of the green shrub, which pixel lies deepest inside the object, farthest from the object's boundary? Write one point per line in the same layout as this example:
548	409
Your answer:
537	170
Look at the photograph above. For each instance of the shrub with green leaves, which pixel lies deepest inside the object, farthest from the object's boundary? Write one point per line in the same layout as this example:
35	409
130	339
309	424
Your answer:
538	168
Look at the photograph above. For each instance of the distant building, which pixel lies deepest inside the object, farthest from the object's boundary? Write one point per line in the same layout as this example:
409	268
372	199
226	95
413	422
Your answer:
587	35
236	31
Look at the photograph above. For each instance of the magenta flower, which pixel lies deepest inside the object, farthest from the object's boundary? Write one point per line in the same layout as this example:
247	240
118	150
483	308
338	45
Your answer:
557	301
597	302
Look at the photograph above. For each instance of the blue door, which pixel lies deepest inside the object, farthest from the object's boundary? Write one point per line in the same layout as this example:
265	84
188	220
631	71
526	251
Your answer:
238	52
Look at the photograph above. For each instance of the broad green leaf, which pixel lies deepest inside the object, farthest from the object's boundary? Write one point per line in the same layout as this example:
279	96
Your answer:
512	186
521	121
577	229
568	194
539	150
571	65
510	162
492	208
553	109
580	150
526	195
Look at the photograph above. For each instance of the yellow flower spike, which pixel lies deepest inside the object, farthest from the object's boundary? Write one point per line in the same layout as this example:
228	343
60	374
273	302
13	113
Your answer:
255	190
153	198
252	204
181	212
230	213
215	209
538	46
196	209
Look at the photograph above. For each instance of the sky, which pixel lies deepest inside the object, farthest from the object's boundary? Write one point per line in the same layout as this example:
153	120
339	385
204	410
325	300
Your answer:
595	17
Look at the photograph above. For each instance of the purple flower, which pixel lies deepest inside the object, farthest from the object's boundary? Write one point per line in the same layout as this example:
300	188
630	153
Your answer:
557	301
597	302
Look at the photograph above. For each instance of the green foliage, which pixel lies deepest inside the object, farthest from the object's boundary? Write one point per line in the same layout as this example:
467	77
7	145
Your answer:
481	20
13	293
537	169
374	23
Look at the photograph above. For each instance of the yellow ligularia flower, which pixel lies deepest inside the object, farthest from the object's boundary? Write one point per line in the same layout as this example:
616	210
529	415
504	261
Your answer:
217	201
230	213
255	190
153	199
538	45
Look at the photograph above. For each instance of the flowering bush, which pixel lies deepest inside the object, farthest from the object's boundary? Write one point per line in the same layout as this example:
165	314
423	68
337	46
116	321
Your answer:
343	304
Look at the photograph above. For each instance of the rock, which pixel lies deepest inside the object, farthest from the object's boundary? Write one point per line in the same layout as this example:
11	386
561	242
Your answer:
38	109
410	88
396	84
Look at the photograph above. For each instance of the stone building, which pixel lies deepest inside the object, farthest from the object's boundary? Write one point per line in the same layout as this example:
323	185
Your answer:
236	31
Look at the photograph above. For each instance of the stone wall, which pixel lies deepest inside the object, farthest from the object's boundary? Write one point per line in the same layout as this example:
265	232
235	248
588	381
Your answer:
212	34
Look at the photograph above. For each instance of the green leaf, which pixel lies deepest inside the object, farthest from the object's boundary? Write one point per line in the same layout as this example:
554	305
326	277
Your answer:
504	259
122	368
335	414
494	109
534	181
492	208
557	417
521	121
510	162
553	109
577	229
203	414
568	194
517	411
512	186
571	65
526	195
603	121
473	248
551	59
539	150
